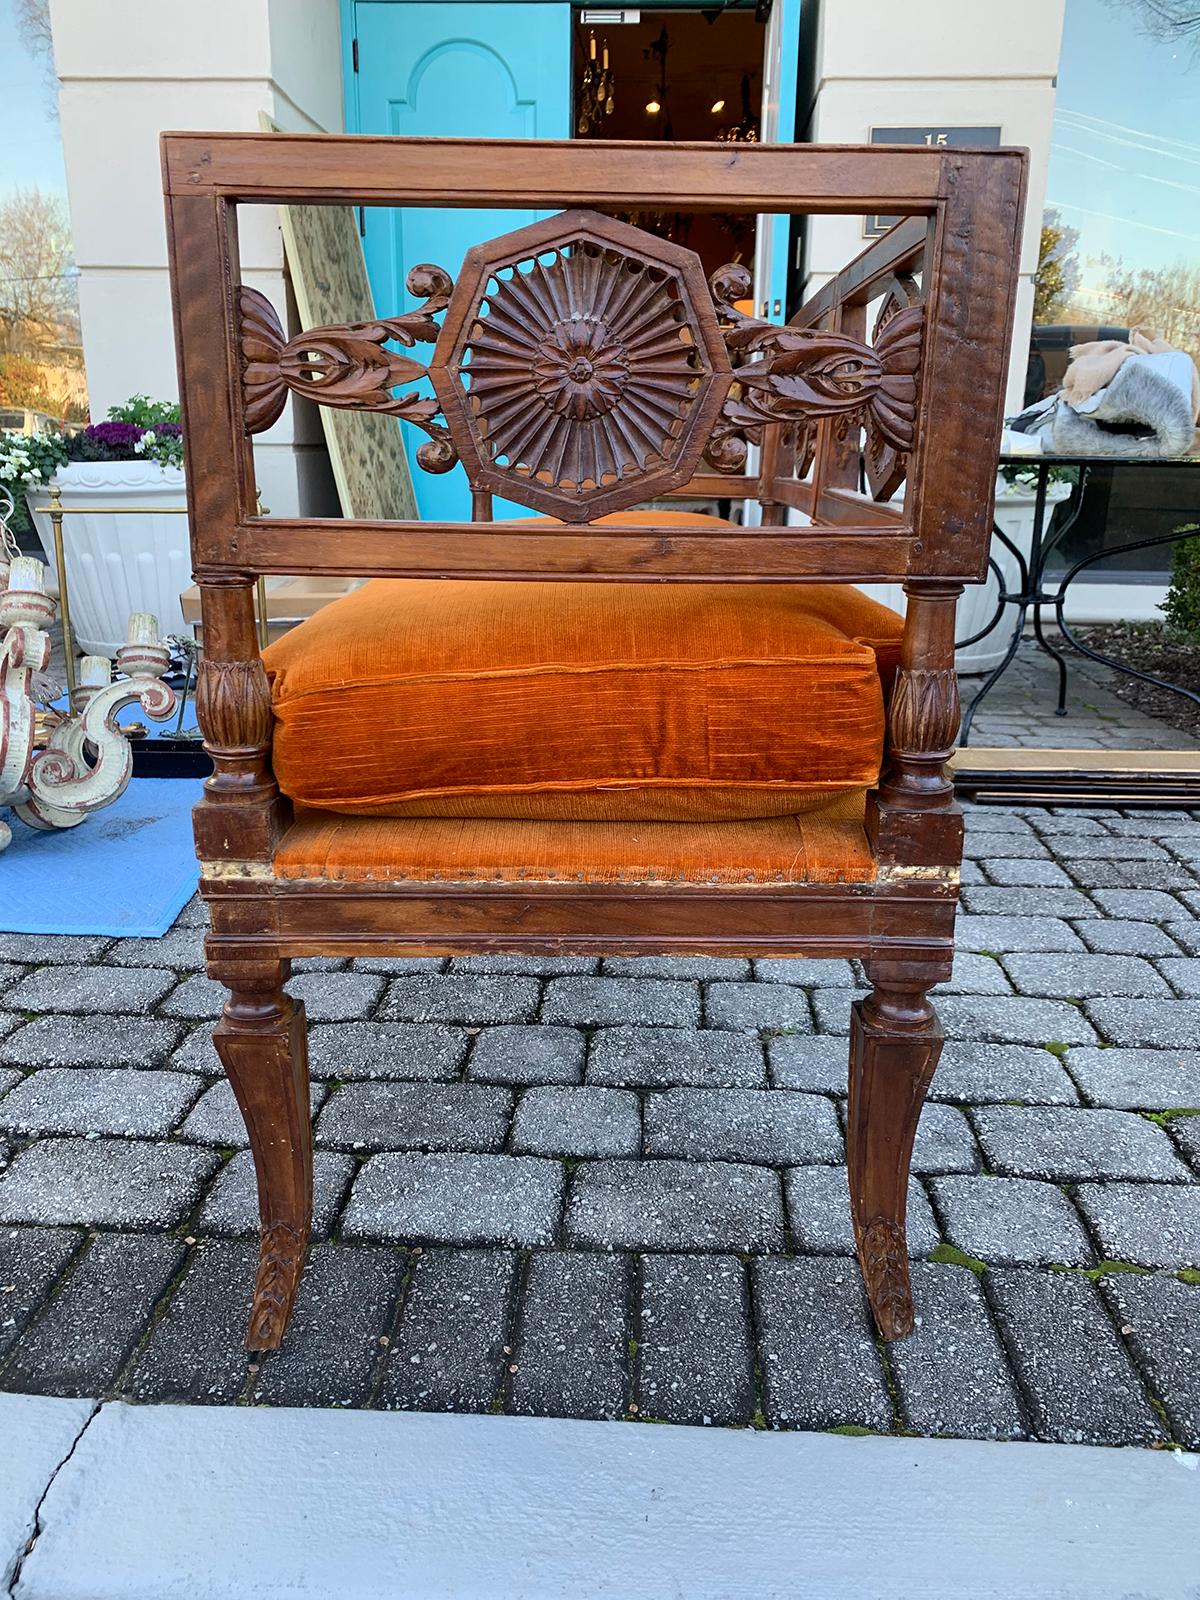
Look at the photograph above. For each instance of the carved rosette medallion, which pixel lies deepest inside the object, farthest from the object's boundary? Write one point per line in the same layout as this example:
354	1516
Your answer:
580	365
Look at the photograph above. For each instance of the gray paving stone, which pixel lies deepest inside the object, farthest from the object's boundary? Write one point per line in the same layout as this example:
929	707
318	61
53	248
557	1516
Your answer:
319	964
1052	827
528	966
951	1373
617	1002
1121	938
970	872
817	1355
1155	1024
1160	1320
994	819
1004	933
1013	1019
197	1054
8	1021
1023	874
1183	974
104	1183
1081	847
454	1341
31	1262
399	966
1132	874
1011	1221
418	1052
975	974
1083	976
753	1007
674	1205
1152	1225
336	996
573	1358
539	1055
232	1204
415	1116
9	1076
458	998
695	1354
89	990
216	1118
332	1348
1155	825
1013	901
193	915
773	1127
91	1327
456	1199
10	976
181	949
999	846
818	1207
832	1008
98	1100
982	1074
816	1065
197	999
568	1121
812	974
1136	1080
1073	1146
1079	1382
1185	933
664	1058
1186	1133
944	1141
1191	899
196	1354
90	1042
688	968
52	949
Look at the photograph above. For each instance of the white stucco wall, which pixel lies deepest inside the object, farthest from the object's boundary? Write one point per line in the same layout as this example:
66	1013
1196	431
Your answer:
128	70
972	63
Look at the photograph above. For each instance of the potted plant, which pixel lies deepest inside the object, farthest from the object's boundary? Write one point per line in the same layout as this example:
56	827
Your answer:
116	563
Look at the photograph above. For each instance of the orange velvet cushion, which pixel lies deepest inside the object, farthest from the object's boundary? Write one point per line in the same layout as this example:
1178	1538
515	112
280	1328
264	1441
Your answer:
582	700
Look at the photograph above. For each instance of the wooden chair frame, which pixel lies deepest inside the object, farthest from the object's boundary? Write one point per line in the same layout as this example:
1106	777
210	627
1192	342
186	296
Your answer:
961	233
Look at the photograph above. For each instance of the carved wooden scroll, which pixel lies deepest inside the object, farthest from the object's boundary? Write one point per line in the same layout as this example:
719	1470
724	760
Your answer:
348	367
801	375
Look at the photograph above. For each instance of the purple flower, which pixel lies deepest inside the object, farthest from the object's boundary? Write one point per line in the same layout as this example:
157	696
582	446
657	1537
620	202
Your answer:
115	435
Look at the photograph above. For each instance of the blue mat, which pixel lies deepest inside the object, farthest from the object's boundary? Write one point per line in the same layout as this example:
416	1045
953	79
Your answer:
127	871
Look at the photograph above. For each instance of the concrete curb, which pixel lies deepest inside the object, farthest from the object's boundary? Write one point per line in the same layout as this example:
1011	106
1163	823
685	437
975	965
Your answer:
36	1437
161	1503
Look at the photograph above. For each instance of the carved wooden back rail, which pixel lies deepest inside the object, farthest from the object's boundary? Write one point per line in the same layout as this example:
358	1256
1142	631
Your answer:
581	367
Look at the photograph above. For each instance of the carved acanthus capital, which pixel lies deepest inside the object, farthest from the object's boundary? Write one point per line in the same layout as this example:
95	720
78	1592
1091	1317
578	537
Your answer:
233	707
925	711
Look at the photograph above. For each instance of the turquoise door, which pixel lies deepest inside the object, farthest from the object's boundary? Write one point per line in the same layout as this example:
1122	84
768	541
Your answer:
499	70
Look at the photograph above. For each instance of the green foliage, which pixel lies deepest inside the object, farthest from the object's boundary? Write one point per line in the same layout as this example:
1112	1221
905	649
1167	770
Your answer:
1181	607
143	412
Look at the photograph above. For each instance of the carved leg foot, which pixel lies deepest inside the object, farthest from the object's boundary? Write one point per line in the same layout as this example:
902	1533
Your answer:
261	1041
895	1042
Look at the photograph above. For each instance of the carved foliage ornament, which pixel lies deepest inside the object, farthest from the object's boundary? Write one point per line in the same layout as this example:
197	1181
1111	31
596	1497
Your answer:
348	367
801	375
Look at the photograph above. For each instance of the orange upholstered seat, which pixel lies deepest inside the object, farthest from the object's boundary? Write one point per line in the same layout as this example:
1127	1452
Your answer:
582	701
825	846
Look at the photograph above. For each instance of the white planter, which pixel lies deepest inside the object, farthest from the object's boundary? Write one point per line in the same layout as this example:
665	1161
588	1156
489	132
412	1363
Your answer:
1014	514
118	564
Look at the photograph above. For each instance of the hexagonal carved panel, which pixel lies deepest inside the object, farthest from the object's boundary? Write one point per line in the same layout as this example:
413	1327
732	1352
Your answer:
580	365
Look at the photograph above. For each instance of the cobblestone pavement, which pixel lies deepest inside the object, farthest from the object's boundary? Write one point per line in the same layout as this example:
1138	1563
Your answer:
549	1187
1020	709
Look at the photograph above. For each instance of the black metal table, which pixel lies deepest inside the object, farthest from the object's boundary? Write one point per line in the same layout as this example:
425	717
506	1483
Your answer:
1033	591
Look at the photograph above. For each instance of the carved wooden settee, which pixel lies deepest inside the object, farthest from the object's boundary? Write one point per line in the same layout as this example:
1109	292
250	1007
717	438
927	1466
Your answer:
620	731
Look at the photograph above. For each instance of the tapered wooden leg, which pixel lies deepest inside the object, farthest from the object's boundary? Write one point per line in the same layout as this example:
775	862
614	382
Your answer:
895	1042
261	1041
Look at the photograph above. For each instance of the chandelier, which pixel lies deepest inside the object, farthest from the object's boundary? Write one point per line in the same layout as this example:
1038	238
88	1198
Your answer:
597	91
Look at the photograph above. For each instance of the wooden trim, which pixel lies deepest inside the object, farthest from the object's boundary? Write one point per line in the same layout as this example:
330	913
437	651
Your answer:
523	551
555	174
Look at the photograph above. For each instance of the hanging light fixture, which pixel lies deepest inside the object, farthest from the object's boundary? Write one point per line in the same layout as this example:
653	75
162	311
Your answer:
745	131
597	90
